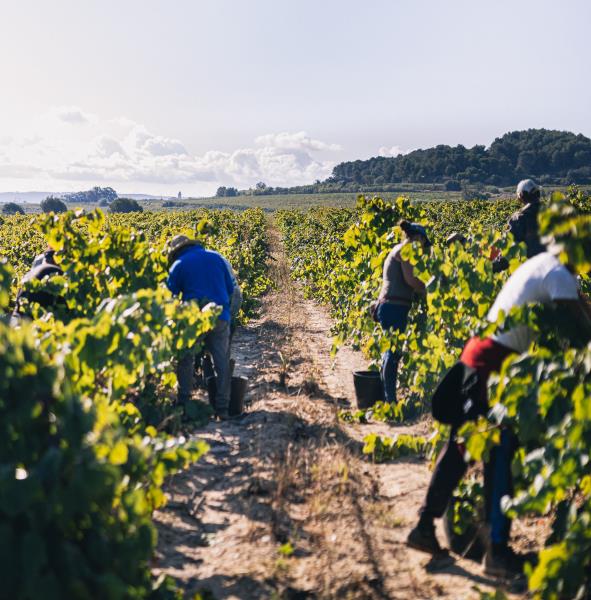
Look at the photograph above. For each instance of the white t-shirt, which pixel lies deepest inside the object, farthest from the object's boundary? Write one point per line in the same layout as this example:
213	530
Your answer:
540	280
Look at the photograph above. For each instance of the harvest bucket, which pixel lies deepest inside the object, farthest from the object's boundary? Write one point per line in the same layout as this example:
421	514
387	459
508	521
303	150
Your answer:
368	388
237	394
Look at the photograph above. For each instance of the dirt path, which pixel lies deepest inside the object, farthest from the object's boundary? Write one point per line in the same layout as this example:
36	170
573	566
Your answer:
284	505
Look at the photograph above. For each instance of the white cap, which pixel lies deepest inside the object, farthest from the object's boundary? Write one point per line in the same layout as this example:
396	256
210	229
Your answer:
527	186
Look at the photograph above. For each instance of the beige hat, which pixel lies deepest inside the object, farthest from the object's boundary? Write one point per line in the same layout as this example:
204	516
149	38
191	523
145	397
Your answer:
177	243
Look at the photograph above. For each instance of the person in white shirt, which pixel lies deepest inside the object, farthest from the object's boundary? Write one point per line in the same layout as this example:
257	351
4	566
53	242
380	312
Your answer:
540	280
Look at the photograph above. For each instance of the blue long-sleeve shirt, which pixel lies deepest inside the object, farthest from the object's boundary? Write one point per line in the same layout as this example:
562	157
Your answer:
202	275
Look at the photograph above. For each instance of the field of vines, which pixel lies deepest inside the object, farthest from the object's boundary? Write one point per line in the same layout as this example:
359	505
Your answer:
89	430
88	426
543	395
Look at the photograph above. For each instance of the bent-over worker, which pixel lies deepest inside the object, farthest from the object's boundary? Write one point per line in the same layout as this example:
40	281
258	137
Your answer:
202	275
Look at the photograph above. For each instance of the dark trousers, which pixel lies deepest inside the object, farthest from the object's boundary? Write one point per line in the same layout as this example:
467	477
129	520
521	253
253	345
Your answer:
486	356
447	474
498	482
203	359
217	344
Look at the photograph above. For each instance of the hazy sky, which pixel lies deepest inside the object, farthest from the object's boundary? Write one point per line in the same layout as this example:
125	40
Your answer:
158	96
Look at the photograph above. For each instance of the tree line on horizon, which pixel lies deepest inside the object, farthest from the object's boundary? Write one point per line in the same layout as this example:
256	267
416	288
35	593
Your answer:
552	157
103	197
549	156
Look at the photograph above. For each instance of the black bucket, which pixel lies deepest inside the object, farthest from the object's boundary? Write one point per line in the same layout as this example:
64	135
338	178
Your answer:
237	394
368	388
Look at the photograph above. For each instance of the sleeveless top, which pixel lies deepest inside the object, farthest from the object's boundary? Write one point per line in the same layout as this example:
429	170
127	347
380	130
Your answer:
394	286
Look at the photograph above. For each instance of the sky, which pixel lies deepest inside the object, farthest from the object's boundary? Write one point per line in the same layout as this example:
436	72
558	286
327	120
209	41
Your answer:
161	96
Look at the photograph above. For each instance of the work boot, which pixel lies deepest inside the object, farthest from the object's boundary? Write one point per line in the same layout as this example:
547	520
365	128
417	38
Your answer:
503	562
423	538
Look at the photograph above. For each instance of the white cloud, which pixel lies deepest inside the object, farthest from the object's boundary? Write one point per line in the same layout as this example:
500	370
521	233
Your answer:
392	151
72	115
294	141
107	146
161	146
121	150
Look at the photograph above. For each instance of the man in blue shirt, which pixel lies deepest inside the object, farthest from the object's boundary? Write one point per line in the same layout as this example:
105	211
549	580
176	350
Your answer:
202	275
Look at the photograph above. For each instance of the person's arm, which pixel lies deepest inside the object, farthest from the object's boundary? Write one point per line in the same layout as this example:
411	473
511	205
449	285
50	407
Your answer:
516	226
408	273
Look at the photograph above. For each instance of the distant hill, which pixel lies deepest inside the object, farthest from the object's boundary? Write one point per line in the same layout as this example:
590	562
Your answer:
552	157
549	156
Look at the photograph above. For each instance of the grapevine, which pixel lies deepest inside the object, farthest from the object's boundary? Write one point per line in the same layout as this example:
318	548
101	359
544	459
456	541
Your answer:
85	387
543	395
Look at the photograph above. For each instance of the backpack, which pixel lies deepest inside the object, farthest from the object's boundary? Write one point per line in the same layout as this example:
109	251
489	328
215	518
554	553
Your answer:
456	398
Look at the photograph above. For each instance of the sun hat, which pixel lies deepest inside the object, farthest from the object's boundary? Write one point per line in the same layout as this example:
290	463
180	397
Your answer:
177	243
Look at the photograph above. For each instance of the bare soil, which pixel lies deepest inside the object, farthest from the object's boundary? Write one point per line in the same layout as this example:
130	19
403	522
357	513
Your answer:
285	505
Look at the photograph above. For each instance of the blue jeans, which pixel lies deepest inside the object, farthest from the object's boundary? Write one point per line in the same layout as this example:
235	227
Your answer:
499	481
391	317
